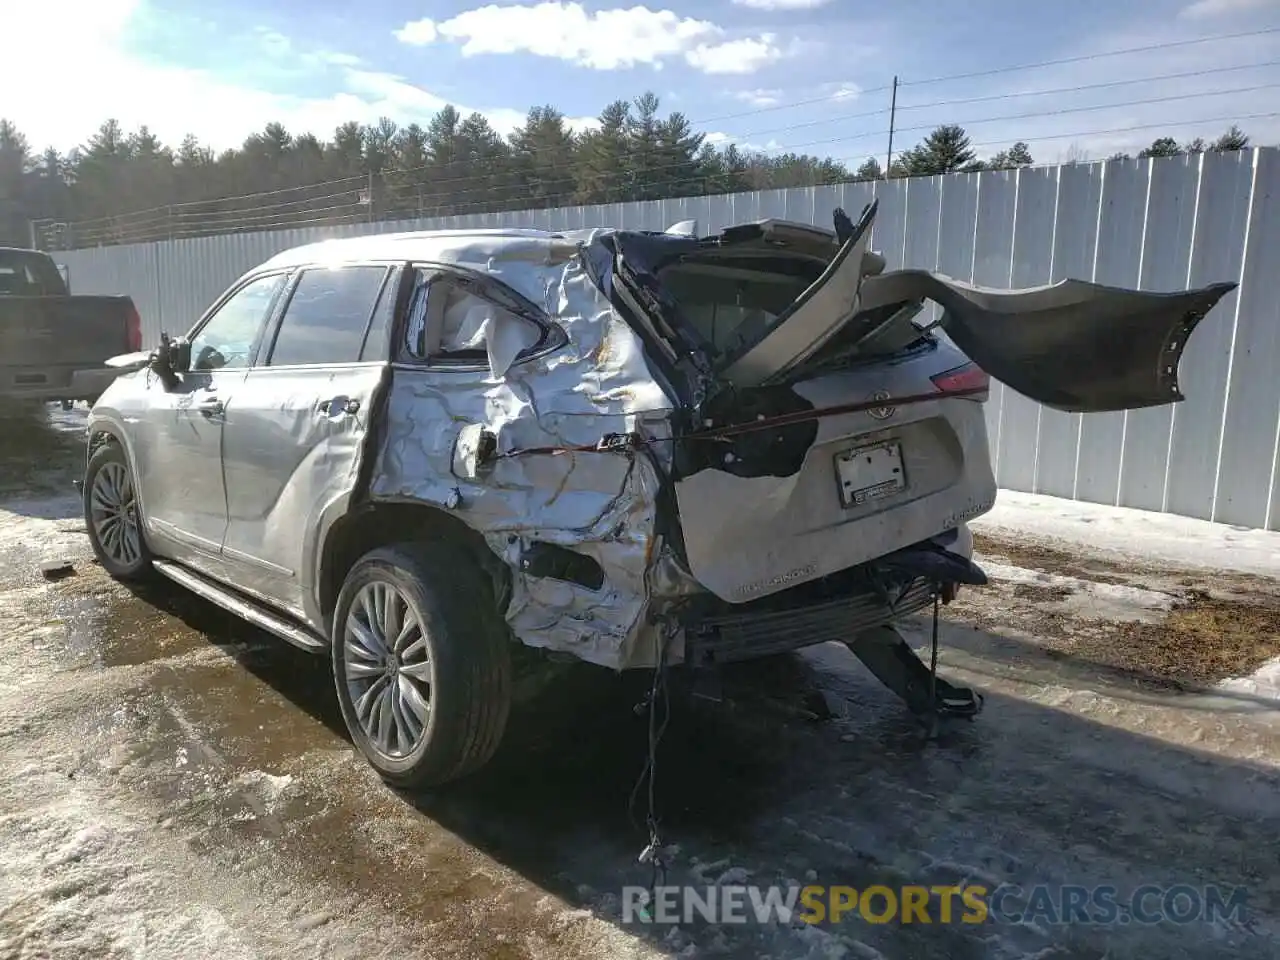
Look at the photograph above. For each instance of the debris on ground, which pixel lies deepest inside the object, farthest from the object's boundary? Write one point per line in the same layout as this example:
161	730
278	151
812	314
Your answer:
57	569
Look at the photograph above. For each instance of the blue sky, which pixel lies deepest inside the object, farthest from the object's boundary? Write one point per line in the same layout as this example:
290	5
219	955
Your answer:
808	75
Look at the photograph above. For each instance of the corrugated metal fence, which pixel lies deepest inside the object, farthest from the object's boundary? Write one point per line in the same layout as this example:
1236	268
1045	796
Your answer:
1157	224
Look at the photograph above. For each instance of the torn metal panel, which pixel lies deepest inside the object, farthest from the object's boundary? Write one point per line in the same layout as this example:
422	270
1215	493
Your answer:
450	433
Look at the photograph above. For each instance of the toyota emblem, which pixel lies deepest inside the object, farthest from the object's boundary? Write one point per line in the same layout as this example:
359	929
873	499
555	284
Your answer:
884	412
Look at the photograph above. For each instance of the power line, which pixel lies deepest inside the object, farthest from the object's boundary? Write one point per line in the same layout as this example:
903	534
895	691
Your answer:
840	118
463	209
1132	128
165	212
995	71
181	215
1080	88
622	178
178	212
790	104
1085	58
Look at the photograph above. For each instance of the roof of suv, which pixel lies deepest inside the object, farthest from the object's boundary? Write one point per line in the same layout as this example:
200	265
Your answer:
437	245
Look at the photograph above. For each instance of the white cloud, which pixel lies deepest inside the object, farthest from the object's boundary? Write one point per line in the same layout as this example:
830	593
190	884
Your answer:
1206	9
759	98
603	40
600	40
417	33
722	140
782	4
746	55
175	100
396	97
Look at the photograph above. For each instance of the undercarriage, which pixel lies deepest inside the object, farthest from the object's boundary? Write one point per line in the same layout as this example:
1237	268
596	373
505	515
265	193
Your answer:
859	608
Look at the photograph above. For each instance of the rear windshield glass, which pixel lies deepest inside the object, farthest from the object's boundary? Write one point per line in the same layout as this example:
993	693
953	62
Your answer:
718	299
25	275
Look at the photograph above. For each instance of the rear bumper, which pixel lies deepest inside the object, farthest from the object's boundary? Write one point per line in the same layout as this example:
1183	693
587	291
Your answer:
55	383
777	625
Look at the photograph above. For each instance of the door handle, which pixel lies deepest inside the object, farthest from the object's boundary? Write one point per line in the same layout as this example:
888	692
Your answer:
338	406
210	407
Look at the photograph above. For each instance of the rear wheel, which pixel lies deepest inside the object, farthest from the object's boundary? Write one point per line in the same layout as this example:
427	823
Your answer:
111	515
422	663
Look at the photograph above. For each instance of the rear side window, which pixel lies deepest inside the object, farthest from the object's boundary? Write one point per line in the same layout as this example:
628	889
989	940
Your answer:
328	315
450	321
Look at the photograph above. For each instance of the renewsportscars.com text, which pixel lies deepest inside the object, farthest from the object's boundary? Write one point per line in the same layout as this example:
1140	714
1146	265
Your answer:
935	904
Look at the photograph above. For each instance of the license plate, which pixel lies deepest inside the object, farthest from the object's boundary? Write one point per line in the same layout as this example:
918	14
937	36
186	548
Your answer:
870	473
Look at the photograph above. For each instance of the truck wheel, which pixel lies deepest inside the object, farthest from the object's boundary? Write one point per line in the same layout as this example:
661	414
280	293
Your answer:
422	663
111	515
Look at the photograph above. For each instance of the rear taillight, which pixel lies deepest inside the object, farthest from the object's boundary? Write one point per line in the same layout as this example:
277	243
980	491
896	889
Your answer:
133	329
969	378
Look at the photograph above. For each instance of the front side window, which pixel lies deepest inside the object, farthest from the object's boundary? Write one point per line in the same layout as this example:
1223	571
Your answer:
230	336
328	316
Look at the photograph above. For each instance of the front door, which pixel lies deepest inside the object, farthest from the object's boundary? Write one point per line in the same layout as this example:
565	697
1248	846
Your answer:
294	439
178	446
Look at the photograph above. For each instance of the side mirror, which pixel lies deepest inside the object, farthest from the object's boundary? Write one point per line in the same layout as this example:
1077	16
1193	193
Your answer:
180	354
170	358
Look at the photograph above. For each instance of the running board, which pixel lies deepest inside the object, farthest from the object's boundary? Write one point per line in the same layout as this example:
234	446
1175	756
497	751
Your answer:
245	609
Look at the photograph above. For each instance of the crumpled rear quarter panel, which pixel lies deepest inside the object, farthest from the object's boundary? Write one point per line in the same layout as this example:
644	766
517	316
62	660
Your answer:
602	504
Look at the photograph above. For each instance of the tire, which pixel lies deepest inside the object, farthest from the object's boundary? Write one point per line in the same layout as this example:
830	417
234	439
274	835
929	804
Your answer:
465	679
120	546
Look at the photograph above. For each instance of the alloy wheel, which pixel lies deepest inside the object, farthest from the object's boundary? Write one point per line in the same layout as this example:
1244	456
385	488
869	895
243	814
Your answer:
389	671
114	513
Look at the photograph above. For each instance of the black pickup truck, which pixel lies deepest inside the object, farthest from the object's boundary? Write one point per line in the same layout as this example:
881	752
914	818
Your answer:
54	346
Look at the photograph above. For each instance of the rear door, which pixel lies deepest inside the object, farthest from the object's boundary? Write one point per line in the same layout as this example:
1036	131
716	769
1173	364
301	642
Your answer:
294	438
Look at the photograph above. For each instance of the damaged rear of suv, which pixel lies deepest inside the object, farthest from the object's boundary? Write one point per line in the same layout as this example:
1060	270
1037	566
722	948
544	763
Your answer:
638	449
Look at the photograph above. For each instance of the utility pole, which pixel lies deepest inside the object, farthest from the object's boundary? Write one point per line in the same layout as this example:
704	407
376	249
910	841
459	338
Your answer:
893	115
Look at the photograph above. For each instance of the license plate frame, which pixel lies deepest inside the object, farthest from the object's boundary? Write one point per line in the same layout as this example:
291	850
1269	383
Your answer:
869	473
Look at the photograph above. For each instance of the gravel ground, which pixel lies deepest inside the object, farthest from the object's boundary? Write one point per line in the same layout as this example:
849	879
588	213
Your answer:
175	784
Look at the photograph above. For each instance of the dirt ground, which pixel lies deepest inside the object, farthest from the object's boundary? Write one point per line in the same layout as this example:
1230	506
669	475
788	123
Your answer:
175	784
1212	626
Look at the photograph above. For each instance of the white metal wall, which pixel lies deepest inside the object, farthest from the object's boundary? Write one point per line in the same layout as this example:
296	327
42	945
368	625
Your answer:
1157	224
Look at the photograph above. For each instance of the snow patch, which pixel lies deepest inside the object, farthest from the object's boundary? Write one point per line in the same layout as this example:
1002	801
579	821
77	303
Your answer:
1137	596
1263	682
1134	534
86	842
268	787
1143	535
1109	594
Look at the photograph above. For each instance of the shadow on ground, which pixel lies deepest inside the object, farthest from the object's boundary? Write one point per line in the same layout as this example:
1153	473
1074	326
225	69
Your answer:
41	452
1026	795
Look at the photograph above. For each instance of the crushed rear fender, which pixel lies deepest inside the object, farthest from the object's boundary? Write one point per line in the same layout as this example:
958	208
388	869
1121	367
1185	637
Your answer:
1073	345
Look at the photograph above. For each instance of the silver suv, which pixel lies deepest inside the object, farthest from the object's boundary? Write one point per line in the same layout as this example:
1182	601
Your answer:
417	452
